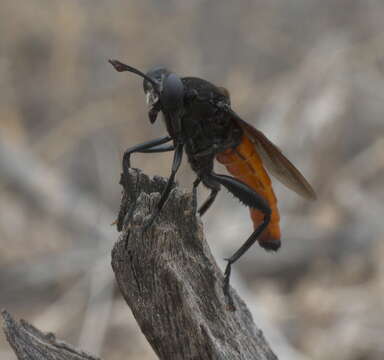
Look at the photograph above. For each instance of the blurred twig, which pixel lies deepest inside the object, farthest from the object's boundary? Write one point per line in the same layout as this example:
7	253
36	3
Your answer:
100	301
55	196
52	194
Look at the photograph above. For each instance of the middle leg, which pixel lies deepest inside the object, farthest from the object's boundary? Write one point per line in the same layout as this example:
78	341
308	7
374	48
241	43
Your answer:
209	201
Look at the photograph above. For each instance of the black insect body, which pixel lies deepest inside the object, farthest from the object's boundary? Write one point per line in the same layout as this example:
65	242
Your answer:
200	121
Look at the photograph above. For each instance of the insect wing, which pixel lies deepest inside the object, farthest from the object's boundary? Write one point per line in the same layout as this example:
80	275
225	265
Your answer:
277	164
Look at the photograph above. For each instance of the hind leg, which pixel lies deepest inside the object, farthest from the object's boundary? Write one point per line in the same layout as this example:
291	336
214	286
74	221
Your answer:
251	198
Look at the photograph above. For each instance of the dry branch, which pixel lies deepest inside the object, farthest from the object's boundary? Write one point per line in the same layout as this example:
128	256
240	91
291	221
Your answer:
172	283
30	343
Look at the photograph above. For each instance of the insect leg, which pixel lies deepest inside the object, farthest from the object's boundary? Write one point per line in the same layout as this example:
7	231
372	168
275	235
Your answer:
240	252
207	203
141	148
243	192
252	199
194	194
214	186
178	155
158	149
147	147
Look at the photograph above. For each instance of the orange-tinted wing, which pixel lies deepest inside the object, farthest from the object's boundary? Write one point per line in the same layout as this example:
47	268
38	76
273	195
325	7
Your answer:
274	160
244	163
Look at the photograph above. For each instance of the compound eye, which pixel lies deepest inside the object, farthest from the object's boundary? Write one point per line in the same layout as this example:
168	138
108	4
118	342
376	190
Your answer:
157	74
172	94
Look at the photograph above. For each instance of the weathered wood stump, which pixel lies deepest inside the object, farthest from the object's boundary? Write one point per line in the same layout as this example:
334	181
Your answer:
172	283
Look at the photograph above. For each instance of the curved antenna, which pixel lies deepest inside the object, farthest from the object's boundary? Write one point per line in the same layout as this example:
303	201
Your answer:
120	67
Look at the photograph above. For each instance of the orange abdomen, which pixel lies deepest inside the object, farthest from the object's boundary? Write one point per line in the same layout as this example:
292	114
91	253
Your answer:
245	164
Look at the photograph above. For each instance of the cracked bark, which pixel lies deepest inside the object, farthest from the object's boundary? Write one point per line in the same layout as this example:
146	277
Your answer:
172	283
30	343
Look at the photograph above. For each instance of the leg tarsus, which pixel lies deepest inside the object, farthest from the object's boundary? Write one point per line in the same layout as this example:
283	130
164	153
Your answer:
251	240
194	195
226	289
207	204
236	256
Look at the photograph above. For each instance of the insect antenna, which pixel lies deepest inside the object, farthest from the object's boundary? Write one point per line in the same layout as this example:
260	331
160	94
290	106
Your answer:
120	67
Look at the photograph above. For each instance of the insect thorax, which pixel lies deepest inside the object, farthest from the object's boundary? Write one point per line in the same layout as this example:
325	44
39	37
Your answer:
207	128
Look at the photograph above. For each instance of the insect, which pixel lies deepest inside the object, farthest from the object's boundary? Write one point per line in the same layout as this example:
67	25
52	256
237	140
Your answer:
200	121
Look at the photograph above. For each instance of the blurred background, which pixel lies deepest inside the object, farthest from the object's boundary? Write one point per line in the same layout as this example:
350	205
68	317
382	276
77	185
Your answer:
308	73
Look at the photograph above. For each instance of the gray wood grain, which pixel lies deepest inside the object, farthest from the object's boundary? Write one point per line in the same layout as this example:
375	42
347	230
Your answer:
172	283
29	343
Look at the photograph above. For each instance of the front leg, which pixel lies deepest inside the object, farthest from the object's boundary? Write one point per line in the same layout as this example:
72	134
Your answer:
178	155
143	147
153	146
